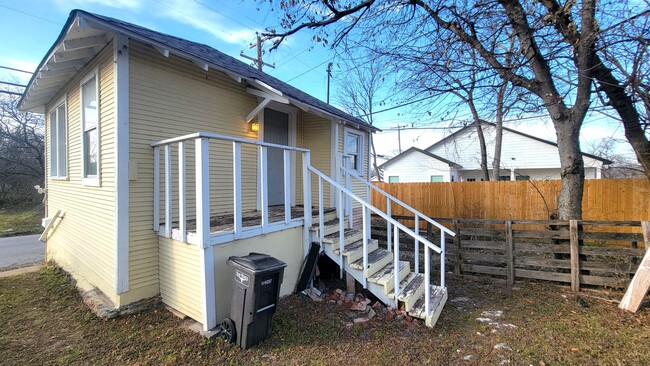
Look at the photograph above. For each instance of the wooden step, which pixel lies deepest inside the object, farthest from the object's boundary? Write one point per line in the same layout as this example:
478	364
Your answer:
386	276
411	288
376	260
354	251
329	214
329	227
437	303
349	235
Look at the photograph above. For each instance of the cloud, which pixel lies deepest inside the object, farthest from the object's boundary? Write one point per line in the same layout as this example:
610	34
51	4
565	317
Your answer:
202	18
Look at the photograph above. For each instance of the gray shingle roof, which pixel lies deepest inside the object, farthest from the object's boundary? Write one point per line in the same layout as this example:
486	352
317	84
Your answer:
220	59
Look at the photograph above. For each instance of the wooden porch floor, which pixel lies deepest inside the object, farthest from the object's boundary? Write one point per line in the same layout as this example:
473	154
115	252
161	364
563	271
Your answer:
250	219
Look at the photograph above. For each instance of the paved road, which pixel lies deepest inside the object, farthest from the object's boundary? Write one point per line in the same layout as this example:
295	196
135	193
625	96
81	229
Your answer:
20	251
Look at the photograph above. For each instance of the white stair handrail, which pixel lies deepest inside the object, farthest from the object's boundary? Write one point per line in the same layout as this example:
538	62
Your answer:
401	203
376	210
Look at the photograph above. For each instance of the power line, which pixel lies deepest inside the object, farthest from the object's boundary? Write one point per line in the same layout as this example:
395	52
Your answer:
312	69
13	84
30	15
13	69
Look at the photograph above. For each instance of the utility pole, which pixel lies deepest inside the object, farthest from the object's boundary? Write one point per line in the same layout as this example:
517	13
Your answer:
258	61
399	137
329	75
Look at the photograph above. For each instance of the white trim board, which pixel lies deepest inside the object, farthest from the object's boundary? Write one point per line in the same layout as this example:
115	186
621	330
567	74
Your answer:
121	76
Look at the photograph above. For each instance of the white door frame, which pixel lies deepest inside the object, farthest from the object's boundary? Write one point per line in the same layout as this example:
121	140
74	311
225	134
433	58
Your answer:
292	112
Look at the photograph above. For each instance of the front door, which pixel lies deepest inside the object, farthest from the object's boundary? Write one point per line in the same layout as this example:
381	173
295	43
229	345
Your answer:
276	130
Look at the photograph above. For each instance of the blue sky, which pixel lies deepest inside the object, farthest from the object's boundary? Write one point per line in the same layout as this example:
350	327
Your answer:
30	27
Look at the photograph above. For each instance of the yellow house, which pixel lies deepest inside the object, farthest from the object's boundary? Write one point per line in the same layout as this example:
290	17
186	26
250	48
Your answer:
165	157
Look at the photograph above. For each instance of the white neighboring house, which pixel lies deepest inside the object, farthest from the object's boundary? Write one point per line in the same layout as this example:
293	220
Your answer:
417	165
457	158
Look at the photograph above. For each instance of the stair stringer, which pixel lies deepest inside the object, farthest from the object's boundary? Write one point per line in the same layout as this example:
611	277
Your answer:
377	290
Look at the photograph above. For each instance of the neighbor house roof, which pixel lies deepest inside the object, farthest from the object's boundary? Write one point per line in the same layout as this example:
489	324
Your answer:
415	149
473	126
196	52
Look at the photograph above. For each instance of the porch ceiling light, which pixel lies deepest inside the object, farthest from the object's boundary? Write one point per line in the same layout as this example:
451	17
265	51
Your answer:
255	126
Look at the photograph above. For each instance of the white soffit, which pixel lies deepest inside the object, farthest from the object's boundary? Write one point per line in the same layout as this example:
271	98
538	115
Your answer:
80	45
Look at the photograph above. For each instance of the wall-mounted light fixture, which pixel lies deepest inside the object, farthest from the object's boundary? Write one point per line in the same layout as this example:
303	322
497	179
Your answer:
255	126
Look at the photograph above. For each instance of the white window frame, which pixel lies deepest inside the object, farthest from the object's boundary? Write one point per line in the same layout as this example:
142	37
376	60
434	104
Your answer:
442	178
393	176
360	148
60	103
92	180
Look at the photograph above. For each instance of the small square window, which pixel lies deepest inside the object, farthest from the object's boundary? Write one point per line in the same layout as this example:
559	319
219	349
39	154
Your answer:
353	149
393	179
437	178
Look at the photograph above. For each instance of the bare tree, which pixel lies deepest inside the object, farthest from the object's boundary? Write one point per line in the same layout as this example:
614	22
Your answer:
22	163
621	167
358	88
555	66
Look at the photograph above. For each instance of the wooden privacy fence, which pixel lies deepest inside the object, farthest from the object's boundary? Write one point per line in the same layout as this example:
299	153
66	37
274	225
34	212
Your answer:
575	252
603	199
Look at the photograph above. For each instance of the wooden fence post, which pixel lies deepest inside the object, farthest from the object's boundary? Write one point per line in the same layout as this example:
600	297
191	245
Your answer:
640	284
575	255
457	245
510	247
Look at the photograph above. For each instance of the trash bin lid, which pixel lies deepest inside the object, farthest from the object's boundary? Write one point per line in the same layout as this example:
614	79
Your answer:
257	262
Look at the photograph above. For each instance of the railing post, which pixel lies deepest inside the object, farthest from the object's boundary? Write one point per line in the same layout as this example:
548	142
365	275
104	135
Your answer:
442	259
168	191
306	188
321	224
417	244
287	186
264	187
156	188
236	186
341	234
182	215
510	257
348	186
427	280
396	264
389	227
365	222
202	171
457	245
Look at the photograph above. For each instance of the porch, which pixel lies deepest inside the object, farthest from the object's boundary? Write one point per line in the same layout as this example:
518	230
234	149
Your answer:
227	196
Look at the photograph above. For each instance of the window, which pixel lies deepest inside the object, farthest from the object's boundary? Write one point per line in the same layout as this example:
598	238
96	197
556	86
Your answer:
354	149
58	143
393	179
437	178
504	177
523	177
90	124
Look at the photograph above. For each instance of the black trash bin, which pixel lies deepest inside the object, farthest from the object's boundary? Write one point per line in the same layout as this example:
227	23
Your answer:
256	290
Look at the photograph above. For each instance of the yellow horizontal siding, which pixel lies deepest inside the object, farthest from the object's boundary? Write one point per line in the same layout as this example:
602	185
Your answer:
84	242
170	97
180	277
316	131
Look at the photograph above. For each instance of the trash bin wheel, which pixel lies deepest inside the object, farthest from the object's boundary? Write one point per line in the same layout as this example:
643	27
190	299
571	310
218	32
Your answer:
228	330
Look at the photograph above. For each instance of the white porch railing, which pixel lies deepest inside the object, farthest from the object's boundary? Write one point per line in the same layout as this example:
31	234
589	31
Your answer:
202	235
367	207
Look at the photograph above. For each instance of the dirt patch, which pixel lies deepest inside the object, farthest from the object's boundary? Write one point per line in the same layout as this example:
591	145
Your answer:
44	321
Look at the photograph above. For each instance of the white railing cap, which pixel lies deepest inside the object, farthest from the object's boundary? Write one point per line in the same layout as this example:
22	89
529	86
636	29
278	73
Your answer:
215	136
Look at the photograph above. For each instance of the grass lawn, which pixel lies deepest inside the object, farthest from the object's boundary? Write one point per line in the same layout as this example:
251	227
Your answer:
20	220
43	321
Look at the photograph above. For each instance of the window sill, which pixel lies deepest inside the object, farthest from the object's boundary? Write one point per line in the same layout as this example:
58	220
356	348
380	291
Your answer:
59	178
90	182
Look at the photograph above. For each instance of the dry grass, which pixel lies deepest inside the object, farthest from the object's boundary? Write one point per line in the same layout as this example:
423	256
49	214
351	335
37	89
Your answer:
44	322
20	220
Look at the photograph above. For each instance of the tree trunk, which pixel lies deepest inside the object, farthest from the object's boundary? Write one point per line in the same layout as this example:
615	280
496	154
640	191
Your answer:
374	159
624	105
572	170
498	134
481	136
